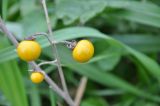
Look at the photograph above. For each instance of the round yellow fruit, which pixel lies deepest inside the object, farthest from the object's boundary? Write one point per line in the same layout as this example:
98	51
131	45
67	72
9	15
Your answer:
37	77
28	50
83	51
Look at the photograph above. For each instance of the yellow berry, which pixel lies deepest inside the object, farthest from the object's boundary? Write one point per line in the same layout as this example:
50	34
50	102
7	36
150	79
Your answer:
28	50
83	51
37	77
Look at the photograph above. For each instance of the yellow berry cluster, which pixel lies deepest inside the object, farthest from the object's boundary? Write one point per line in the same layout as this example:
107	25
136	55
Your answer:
30	50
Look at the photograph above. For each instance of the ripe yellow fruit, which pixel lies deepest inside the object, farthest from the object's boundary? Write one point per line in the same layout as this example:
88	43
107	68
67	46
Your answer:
29	50
83	51
37	77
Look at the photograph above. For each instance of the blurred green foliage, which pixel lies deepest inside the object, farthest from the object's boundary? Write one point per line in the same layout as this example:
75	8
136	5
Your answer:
124	70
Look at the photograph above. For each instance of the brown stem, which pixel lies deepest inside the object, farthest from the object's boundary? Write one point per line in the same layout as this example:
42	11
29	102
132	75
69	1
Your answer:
80	90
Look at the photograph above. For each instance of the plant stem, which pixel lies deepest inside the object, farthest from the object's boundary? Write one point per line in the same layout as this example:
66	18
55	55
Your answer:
63	94
51	83
47	62
9	34
80	90
55	52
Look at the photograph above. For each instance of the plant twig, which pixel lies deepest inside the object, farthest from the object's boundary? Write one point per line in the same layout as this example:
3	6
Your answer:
55	88
51	83
9	34
55	48
80	90
47	62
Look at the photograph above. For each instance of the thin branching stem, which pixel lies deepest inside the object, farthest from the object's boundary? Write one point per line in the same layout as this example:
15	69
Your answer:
72	43
55	49
51	83
47	62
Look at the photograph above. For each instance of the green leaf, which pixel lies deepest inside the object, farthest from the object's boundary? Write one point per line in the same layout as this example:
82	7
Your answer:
106	56
52	97
35	96
26	7
94	73
142	12
140	42
109	60
94	101
1	8
77	32
7	54
138	17
107	92
4	9
11	82
71	10
15	28
12	85
149	64
32	26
